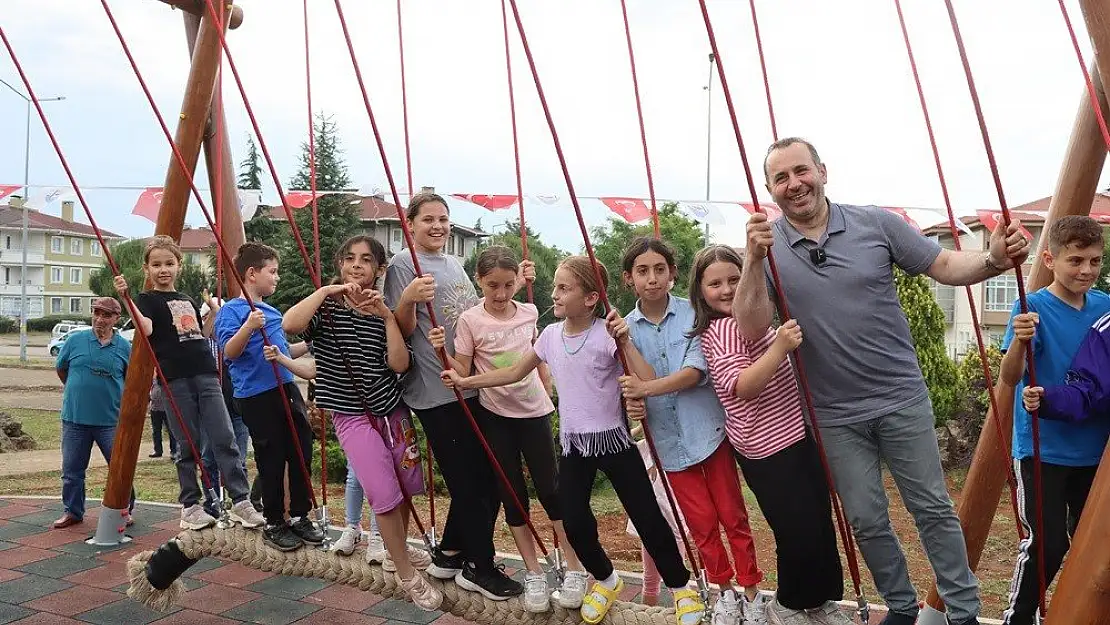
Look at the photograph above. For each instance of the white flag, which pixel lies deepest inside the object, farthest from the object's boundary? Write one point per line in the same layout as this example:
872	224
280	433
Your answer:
704	212
249	199
46	196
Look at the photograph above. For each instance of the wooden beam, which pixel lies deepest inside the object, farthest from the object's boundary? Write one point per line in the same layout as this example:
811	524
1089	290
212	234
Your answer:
199	8
171	221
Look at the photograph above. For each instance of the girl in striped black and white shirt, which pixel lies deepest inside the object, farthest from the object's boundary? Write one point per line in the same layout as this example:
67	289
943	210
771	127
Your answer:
764	423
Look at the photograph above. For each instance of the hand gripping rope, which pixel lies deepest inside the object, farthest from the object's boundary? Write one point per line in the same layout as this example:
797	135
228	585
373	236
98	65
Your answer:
700	572
1023	303
690	553
863	609
416	267
987	376
222	250
131	308
408	172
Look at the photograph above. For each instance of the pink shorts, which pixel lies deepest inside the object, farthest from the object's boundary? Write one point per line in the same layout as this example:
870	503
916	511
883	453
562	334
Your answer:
374	445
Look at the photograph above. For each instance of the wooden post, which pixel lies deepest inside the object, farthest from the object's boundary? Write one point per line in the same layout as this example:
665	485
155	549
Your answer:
171	221
1075	190
199	8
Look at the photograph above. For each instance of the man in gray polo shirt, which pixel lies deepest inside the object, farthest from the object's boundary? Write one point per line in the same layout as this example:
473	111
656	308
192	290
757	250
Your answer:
836	264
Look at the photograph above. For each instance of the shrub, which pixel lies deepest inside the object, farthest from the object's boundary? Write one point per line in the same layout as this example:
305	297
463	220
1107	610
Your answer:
8	325
973	402
337	462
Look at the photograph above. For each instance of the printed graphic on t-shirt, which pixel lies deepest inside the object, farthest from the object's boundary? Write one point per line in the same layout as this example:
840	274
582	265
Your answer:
457	299
184	320
411	457
524	388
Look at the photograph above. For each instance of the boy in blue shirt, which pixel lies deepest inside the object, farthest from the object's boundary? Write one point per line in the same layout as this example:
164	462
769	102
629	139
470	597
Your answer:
1057	322
260	401
1085	393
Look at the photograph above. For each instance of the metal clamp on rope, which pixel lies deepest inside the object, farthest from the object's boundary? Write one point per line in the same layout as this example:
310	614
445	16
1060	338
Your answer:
430	539
322	523
703	590
224	522
553	562
863	610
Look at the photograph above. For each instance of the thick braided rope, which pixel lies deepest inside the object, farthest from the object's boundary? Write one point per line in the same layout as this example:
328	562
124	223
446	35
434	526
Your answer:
248	548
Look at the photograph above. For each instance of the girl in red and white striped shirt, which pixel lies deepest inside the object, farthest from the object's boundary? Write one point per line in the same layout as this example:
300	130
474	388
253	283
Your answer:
764	424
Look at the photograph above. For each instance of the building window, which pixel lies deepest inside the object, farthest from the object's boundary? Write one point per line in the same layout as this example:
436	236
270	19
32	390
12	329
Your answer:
946	299
75	275
7	275
1001	293
451	244
75	304
8	242
55	275
76	247
397	235
94	248
56	245
55	305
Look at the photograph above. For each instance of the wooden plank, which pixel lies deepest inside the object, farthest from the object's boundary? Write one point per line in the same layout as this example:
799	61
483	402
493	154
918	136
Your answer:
198	8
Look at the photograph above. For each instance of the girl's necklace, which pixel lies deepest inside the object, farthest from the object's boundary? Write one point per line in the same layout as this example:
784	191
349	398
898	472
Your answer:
563	334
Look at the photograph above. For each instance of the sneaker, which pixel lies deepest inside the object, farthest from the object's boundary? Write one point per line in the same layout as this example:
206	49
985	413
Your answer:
536	598
689	609
376	552
829	614
443	566
281	537
244	514
895	618
573	590
779	615
213	509
195	518
754	612
492	583
421	592
348	540
418	558
727	609
307	531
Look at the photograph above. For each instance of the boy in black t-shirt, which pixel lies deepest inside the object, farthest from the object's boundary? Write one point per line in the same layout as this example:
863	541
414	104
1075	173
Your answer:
171	321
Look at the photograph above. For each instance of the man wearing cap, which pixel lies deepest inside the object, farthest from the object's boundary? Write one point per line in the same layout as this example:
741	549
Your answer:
92	365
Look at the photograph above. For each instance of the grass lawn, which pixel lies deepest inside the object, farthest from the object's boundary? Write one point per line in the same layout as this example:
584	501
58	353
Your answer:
45	426
32	363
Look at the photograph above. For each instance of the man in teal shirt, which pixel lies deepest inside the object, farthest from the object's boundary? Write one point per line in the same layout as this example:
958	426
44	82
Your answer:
92	365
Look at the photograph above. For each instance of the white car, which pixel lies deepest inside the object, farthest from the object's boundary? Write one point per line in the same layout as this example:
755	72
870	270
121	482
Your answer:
55	345
64	327
127	331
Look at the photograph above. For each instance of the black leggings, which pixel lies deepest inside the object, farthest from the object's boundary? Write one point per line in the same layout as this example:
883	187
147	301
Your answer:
513	437
274	451
470	481
628	475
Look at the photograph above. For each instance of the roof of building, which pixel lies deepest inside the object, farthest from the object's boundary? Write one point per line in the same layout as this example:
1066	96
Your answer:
11	216
376	208
197	239
1030	214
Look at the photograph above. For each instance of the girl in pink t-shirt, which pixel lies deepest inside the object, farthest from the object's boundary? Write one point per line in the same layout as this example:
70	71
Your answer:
496	335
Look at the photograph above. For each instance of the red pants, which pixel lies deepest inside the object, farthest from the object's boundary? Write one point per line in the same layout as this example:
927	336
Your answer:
710	497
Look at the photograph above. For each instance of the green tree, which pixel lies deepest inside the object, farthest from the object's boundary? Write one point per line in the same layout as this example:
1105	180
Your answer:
546	257
927	327
1103	283
129	256
250	169
339	217
683	234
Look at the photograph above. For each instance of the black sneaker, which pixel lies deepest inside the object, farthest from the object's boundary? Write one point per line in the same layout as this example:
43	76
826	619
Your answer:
445	566
307	531
492	583
281	537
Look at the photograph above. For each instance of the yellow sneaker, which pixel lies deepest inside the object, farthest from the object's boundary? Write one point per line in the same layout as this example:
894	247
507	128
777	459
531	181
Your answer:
596	604
688	607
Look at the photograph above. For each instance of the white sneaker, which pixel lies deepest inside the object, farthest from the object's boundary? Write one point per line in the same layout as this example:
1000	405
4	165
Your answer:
244	514
536	598
195	518
755	612
727	609
421	592
829	614
573	590
375	549
779	615
348	540
418	558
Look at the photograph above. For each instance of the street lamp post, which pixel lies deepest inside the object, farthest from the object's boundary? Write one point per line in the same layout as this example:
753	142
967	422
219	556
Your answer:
23	307
708	136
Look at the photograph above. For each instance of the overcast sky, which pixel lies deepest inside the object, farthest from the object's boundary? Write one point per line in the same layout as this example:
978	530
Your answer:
838	71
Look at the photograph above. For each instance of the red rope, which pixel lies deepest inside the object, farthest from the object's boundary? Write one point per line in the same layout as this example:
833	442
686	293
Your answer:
640	119
131	308
803	381
690	552
405	105
315	236
416	266
1022	302
763	68
987	376
516	142
1086	75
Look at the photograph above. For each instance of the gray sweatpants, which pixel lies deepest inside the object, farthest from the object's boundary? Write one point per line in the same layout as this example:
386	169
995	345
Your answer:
906	442
201	401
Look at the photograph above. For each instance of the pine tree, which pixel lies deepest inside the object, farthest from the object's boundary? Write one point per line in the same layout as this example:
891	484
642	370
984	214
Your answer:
545	257
250	172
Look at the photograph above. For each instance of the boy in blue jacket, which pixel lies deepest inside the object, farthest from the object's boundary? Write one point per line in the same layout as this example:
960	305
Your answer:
1054	328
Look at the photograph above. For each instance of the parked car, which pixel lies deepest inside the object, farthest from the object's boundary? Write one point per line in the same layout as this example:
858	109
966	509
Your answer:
62	328
55	345
127	331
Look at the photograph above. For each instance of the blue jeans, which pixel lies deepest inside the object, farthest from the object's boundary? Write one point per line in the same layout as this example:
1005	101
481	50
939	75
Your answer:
354	497
906	442
77	444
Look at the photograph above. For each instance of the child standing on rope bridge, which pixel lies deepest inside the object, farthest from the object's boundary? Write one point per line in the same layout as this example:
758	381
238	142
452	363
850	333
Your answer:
494	335
594	435
259	394
756	386
1062	314
466	551
688	425
171	321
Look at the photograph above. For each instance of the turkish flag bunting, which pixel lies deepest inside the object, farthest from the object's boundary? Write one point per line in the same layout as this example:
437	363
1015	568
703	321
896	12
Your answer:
8	189
990	220
772	210
148	204
299	199
629	208
488	202
901	212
